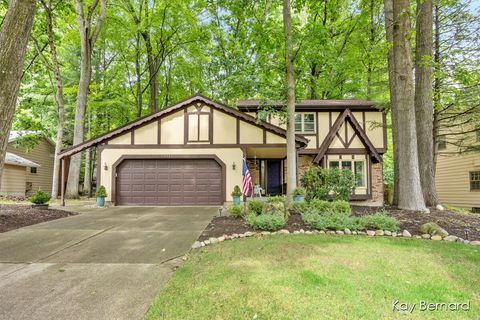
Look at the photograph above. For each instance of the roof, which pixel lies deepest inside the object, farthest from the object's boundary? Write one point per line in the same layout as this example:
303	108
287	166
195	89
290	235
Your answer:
14	135
13	159
172	108
252	105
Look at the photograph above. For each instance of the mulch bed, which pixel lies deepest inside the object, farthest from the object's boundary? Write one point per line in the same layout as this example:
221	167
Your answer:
455	223
14	216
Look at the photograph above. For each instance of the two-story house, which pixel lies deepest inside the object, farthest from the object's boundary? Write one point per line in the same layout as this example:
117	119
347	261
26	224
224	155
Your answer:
191	152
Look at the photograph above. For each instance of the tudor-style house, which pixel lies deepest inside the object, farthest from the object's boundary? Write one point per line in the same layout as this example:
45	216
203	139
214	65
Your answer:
191	152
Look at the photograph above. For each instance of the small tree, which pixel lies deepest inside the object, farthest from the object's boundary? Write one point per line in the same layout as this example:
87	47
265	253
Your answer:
320	183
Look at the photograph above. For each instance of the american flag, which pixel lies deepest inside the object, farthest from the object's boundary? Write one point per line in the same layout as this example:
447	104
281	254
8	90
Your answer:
247	179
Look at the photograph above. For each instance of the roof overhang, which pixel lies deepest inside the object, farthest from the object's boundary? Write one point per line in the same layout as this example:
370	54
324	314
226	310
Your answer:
13	159
301	141
253	105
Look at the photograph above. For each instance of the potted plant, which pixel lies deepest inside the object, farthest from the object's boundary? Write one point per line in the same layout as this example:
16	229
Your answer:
101	193
298	195
40	199
236	194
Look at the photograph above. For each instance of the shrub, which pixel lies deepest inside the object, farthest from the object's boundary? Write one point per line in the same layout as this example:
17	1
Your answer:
298	192
101	192
328	221
39	197
236	191
300	207
341	206
255	206
276	205
268	222
326	207
319	182
433	229
378	221
236	211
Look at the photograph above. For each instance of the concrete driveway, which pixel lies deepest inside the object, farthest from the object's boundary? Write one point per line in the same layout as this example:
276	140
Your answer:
102	264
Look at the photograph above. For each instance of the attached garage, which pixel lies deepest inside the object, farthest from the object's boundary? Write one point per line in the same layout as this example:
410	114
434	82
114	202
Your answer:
169	182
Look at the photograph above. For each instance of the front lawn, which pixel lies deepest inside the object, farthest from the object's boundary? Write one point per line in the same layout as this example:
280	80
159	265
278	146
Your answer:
321	277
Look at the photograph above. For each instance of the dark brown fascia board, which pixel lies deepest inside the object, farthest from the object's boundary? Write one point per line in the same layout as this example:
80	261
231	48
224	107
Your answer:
174	107
325	105
347	116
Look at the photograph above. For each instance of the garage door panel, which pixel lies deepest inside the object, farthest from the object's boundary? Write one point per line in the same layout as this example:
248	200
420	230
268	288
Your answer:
169	182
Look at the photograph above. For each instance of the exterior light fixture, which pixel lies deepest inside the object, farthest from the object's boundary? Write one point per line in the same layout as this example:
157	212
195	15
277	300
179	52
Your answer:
234	166
105	166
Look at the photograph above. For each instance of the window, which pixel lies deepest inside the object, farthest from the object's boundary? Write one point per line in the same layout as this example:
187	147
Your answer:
198	126
305	122
475	180
33	170
358	167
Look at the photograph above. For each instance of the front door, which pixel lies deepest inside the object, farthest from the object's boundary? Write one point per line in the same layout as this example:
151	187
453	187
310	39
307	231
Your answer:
274	177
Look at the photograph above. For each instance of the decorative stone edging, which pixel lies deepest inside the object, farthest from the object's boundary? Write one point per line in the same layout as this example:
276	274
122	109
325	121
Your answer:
369	233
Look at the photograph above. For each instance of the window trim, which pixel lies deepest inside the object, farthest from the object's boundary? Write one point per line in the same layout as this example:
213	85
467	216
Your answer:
352	166
187	131
302	123
472	181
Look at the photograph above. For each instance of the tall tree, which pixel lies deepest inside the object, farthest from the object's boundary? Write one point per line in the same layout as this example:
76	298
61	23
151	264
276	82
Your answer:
14	34
410	191
89	31
424	99
291	147
388	9
54	66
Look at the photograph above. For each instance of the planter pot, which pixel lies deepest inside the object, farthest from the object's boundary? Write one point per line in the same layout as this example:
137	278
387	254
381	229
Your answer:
236	200
298	199
100	201
43	206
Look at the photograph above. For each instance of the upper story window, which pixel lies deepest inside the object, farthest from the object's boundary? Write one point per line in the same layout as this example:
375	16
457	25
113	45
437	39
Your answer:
33	170
305	122
474	180
198	126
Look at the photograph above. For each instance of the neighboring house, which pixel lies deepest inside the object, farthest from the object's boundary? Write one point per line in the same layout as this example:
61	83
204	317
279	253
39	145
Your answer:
14	175
33	172
457	175
191	152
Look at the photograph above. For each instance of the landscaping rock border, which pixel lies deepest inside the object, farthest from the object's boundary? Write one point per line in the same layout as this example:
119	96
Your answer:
368	233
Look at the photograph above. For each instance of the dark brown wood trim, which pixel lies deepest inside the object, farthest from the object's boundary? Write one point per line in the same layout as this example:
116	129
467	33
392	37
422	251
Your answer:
346	135
343	118
170	156
132	137
159	131
351	139
364	121
62	183
238	131
330	120
195	145
369	172
185	126
317	119
264	136
99	165
341	140
210	126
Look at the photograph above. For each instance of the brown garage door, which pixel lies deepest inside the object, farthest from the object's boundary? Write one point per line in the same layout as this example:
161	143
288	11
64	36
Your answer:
169	182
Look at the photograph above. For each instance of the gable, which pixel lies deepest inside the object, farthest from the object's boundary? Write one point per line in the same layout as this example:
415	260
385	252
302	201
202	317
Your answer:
346	133
195	113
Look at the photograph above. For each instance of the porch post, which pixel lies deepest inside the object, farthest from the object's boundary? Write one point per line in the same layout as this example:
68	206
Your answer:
62	186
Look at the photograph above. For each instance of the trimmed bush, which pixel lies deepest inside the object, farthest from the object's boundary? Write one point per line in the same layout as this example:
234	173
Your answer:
255	206
236	211
267	222
39	197
300	207
326	207
320	183
433	229
378	221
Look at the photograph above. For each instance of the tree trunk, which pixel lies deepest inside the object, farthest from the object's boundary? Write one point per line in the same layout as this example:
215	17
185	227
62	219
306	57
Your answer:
139	78
372	44
59	99
423	99
14	34
436	85
410	196
388	8
152	73
87	41
291	147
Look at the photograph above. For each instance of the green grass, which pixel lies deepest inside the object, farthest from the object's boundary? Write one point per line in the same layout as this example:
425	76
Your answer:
321	277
